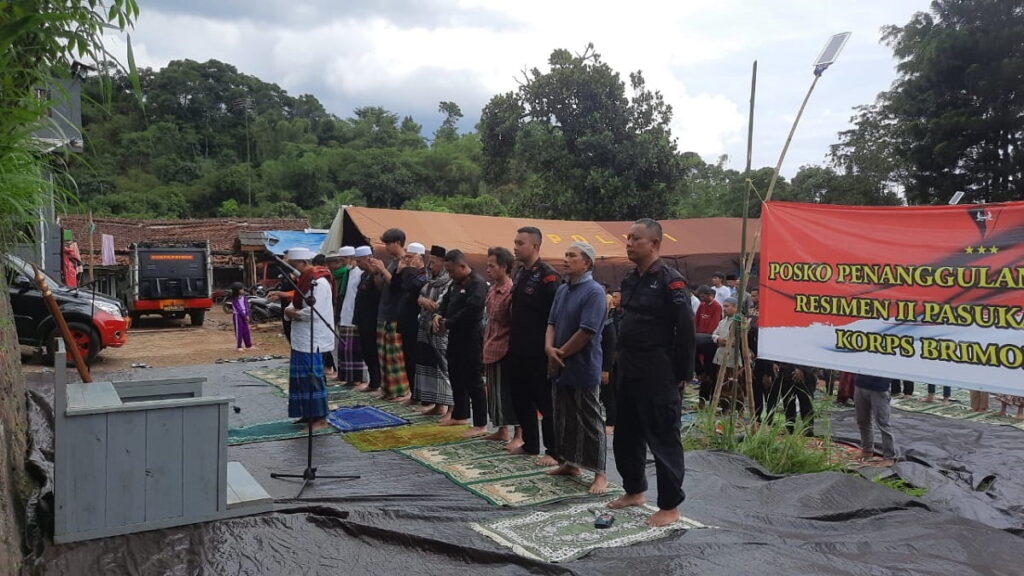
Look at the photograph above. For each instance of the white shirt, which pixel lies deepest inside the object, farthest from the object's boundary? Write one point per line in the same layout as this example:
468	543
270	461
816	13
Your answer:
323	337
722	292
694	303
348	305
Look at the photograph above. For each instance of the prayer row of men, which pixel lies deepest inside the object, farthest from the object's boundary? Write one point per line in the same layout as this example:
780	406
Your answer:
423	328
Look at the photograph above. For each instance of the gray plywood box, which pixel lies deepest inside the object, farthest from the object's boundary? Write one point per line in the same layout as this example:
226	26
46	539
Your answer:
136	456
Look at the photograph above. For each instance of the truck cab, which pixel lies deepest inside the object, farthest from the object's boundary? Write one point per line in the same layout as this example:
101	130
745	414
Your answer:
171	279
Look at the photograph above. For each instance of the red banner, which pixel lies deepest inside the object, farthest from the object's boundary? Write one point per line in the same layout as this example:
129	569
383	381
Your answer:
932	294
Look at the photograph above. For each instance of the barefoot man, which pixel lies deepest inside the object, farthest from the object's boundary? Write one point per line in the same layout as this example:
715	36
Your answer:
311	337
460	314
533	291
656	349
573	348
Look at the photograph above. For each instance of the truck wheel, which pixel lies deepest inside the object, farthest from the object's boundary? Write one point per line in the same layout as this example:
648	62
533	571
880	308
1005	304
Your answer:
84	337
198	317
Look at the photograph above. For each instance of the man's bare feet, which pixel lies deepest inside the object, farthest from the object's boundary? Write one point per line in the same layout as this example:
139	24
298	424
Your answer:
436	410
547	460
866	455
599	485
565	470
475	431
399	399
452	422
301	422
627	500
515	449
362	387
241	349
320	424
663	518
929	398
609	430
410	401
945	401
500	435
378	393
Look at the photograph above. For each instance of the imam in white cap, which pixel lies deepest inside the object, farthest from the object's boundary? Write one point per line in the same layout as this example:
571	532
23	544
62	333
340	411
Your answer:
416	248
363	251
299	254
346	251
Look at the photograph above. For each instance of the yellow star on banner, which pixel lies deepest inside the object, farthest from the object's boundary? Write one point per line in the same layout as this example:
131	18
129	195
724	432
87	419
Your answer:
993	250
981	249
969	250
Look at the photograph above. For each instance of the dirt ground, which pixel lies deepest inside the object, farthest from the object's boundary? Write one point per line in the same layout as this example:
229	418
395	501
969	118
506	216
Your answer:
160	343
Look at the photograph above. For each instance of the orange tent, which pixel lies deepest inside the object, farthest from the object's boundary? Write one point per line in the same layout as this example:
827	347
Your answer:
697	247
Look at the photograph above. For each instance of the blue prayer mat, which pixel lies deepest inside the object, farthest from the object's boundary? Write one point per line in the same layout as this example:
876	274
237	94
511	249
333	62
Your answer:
352	418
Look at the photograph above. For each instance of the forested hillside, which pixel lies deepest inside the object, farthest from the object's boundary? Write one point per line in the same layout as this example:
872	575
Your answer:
575	141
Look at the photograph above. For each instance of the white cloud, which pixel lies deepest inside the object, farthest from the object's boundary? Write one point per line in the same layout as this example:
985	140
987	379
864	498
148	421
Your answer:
409	55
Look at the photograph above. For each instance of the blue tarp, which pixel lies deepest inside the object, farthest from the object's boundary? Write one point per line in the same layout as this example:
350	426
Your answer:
279	241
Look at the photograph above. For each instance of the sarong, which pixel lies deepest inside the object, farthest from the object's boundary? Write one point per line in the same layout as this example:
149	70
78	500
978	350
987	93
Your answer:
394	380
351	367
432	383
499	395
579	429
307	388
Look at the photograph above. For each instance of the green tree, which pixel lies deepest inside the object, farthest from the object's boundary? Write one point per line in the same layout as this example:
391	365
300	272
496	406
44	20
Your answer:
954	119
448	131
577	146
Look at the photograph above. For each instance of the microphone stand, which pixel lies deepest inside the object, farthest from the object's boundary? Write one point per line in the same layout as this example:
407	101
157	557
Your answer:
309	474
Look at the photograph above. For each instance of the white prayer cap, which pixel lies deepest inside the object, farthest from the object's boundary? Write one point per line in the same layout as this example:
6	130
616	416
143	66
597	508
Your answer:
346	251
299	254
334	255
362	251
416	248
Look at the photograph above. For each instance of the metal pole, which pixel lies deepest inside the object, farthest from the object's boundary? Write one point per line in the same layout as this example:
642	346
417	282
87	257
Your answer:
778	167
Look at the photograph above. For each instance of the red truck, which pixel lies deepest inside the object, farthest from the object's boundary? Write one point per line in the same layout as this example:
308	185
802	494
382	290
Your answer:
171	279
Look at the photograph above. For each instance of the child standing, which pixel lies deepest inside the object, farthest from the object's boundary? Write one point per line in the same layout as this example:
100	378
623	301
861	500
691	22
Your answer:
240	312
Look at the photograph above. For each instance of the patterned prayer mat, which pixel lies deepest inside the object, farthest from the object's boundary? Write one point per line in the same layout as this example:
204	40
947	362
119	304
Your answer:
568	533
959	408
270	431
429	434
484	468
278	378
355	418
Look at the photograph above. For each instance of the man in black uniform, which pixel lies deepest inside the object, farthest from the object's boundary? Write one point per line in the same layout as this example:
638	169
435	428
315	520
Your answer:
533	292
365	318
656	351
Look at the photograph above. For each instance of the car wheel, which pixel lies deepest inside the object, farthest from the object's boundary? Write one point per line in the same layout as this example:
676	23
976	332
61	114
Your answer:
85	338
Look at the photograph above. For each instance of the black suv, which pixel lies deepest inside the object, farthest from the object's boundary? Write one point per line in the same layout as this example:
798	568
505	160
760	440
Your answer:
96	321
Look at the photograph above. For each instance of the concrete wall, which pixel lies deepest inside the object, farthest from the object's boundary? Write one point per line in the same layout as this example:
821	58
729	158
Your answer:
14	483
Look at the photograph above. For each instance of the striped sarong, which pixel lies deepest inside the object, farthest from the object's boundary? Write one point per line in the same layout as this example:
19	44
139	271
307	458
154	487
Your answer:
351	367
432	383
394	380
307	387
499	395
578	426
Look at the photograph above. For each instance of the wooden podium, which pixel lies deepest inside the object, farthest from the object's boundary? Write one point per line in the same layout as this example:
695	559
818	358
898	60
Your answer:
143	455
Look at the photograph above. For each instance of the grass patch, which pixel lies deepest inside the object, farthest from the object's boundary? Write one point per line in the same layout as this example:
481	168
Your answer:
901	485
771	444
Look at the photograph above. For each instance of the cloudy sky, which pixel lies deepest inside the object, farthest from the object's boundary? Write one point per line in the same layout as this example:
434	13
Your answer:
408	55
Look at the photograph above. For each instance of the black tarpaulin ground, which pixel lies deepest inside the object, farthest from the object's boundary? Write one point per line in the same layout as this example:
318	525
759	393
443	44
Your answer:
401	518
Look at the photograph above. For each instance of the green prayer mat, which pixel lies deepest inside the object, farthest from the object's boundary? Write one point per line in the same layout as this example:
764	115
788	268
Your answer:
269	431
429	434
484	468
278	378
958	408
568	533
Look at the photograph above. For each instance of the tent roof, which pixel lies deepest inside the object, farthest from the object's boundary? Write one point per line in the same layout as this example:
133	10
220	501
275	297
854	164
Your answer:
475	234
280	241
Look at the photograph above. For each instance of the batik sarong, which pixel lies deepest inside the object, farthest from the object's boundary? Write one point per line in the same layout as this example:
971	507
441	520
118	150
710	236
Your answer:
579	428
351	367
499	395
394	380
307	388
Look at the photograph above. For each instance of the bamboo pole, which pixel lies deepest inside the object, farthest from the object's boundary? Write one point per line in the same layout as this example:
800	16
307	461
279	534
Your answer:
62	325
